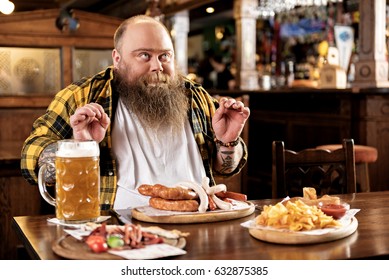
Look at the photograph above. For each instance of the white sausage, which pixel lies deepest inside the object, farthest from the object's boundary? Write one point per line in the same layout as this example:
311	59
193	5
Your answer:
221	204
215	189
201	193
212	190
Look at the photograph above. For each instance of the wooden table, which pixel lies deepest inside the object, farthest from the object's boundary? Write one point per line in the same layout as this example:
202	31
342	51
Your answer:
229	240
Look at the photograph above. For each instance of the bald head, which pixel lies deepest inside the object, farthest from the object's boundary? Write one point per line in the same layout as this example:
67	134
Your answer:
132	22
142	46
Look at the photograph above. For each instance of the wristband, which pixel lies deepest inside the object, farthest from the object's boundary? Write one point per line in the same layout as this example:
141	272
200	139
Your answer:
228	144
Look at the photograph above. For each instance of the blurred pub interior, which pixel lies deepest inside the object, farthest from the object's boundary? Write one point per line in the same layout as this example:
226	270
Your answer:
279	69
287	43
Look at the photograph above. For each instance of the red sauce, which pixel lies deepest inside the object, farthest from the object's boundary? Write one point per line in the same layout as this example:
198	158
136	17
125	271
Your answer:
337	211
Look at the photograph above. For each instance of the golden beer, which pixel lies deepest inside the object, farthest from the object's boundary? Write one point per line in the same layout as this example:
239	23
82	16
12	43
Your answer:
77	198
77	189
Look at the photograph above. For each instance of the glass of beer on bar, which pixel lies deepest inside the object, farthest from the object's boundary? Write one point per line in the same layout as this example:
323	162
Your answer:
77	189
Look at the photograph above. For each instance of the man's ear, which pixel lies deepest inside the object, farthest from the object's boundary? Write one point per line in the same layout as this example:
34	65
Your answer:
115	57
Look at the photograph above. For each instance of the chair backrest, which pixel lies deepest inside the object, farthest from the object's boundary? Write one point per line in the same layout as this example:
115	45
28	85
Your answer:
329	172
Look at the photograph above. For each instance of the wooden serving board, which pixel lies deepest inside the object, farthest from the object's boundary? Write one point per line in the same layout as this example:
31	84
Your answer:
206	217
288	237
71	248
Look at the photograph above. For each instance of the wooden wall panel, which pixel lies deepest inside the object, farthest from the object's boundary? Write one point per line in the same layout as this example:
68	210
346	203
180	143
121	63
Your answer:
17	198
16	124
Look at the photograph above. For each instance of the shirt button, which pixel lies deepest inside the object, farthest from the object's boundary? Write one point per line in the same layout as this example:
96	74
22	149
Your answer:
110	173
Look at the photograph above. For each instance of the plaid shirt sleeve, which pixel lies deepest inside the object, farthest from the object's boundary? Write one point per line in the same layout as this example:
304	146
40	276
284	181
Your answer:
54	125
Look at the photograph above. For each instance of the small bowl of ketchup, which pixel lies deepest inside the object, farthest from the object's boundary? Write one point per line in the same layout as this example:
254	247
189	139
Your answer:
337	211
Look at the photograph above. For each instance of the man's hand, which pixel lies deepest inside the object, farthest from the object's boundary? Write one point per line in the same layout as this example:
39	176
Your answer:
229	119
89	122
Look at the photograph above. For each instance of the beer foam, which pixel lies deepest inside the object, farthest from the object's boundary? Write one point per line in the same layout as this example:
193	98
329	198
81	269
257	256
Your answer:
74	149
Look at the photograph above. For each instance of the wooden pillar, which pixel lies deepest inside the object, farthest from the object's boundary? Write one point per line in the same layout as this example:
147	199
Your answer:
372	66
180	29
245	23
67	66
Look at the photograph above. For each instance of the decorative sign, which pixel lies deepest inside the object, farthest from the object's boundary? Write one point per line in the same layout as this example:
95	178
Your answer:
344	38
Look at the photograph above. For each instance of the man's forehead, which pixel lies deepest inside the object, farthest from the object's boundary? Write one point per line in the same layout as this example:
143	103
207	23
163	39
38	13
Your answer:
144	26
148	35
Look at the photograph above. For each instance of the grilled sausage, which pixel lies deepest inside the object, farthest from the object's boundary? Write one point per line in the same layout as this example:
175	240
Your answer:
174	205
158	190
232	195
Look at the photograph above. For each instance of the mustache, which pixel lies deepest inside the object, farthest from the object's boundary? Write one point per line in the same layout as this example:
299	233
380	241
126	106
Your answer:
155	78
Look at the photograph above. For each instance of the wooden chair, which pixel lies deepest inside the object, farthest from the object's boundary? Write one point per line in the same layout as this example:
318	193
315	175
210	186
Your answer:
364	155
329	172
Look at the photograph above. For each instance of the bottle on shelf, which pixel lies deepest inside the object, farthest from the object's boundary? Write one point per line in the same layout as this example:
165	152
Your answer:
290	74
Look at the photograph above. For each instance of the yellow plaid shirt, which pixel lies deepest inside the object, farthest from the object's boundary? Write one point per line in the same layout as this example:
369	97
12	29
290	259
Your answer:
54	125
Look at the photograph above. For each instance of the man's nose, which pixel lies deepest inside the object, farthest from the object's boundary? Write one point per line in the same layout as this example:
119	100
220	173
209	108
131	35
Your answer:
156	65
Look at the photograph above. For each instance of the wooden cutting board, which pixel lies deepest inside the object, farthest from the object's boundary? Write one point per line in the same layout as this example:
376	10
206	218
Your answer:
289	237
70	248
206	217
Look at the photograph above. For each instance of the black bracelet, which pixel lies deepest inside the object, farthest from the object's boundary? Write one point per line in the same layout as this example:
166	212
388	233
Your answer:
228	144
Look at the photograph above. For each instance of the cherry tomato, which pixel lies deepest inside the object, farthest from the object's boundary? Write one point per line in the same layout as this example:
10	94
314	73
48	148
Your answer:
97	243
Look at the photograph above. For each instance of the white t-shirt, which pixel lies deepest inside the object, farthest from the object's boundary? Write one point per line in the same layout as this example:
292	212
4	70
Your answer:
147	157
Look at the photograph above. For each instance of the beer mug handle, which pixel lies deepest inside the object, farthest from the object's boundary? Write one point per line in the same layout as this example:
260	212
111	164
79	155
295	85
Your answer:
42	185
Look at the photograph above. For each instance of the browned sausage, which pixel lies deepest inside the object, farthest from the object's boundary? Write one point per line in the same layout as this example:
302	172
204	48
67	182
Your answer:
212	205
176	193
232	195
174	205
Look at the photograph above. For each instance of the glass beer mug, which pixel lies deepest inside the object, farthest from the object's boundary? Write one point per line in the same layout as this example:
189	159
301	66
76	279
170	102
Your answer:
77	189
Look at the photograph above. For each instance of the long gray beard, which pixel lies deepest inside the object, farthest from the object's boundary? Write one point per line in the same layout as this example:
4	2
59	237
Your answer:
162	105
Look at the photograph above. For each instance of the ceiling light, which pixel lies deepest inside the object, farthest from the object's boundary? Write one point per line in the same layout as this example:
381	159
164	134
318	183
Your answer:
210	10
6	7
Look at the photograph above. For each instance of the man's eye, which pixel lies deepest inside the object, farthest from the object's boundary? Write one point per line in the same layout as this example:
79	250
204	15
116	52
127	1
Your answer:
145	55
165	57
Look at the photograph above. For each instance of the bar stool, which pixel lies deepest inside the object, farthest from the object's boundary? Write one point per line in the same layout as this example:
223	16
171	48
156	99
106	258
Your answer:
363	156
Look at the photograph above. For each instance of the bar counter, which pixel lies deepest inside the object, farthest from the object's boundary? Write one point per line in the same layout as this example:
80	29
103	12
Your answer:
306	118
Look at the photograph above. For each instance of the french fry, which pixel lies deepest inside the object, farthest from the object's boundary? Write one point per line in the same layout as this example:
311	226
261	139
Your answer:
295	216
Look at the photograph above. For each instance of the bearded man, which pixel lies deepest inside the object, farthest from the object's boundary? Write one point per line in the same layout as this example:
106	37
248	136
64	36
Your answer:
152	124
